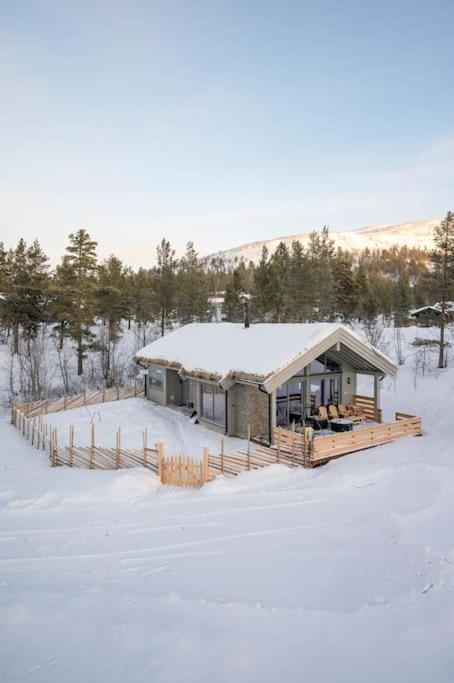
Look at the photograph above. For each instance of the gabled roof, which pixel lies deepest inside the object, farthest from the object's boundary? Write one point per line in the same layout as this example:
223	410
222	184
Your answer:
264	352
435	308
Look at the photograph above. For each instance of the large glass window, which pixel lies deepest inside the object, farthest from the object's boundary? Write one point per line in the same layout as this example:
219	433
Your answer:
156	378
213	404
324	392
323	364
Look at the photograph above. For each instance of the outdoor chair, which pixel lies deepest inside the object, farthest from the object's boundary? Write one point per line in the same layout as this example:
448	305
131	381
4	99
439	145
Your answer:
323	413
332	413
344	411
357	414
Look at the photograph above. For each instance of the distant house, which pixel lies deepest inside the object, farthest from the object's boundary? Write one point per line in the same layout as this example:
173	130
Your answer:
260	376
217	302
425	316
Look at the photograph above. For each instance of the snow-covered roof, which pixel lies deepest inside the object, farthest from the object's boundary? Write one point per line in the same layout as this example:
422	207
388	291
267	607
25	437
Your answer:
225	350
436	308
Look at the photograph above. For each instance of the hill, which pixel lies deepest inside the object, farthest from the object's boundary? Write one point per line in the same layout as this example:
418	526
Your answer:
414	234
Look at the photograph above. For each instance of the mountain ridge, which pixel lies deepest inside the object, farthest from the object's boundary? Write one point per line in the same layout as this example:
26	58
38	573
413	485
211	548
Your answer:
416	234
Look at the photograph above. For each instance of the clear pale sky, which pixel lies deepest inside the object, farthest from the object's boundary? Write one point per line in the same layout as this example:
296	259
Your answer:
221	121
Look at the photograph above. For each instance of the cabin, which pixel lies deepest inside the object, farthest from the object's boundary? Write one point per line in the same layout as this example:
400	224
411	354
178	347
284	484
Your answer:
428	316
247	379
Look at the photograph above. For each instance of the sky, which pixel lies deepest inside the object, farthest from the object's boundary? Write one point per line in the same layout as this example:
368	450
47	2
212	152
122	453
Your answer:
221	122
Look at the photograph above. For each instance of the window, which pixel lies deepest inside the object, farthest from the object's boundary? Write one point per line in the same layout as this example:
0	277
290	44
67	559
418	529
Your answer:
213	404
156	377
323	364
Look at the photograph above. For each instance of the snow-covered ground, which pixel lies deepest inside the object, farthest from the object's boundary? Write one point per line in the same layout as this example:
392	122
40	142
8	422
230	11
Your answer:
341	573
179	433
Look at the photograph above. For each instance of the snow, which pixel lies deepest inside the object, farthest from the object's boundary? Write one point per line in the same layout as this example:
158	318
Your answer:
179	433
415	234
222	348
341	573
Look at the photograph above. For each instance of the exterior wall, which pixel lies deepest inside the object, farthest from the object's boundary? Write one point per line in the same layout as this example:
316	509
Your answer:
153	393
348	383
173	387
194	394
248	406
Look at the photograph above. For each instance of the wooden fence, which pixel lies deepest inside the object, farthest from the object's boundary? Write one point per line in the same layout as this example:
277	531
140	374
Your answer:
324	448
367	403
29	419
45	406
289	447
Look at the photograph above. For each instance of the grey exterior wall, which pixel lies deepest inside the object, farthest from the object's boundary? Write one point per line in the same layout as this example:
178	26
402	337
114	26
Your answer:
153	393
348	382
173	387
248	406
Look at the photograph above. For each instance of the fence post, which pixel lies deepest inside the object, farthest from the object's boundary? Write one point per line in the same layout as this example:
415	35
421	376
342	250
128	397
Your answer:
118	436
161	472
54	447
206	459
92	446
145	446
279	430
222	456
118	393
307	441
293	443
71	444
249	446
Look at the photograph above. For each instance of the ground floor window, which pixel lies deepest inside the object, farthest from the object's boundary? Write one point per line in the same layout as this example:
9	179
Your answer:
290	398
324	392
213	404
156	378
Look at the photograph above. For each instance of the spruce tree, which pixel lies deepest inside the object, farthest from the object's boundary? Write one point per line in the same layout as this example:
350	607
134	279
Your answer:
233	299
192	287
165	283
280	282
345	287
25	293
442	274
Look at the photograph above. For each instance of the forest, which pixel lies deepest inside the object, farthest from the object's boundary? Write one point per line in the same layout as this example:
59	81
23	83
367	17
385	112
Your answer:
90	304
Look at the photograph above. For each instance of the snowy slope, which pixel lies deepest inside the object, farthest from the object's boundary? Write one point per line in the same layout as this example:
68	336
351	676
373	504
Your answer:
413	234
341	573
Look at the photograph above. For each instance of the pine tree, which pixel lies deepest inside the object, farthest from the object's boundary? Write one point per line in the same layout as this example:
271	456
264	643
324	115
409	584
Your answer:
262	285
321	256
111	307
280	285
25	290
298	304
165	283
192	287
402	300
442	274
233	299
61	298
81	260
345	287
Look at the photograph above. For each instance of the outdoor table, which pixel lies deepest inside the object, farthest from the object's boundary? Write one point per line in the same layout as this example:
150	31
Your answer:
341	424
318	422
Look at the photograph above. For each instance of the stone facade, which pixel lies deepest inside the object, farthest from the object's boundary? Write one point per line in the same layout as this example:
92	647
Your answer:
248	406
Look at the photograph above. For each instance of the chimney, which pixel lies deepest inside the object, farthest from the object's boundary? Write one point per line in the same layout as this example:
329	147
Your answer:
247	317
